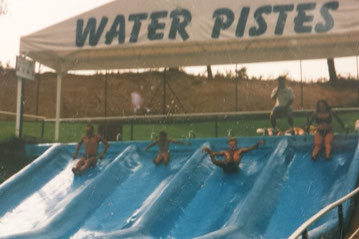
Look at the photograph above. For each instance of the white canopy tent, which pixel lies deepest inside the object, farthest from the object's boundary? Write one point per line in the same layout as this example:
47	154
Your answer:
171	33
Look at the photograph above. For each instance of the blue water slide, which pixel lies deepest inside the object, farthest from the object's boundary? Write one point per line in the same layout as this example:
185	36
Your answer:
276	189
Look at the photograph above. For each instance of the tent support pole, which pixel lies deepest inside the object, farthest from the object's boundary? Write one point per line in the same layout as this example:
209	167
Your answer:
19	107
301	84
236	90
357	67
58	104
105	93
164	92
357	76
37	90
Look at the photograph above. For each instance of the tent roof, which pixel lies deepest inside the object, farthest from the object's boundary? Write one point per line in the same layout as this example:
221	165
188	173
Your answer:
164	33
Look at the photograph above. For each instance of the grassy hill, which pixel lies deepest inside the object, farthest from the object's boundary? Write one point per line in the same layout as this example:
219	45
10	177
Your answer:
84	96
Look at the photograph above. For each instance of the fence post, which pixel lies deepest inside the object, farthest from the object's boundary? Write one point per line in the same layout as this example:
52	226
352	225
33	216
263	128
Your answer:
236	90
42	128
216	126
164	92
20	107
131	130
340	221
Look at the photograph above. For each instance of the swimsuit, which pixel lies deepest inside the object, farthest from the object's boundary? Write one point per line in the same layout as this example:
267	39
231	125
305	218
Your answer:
231	167
324	132
87	156
228	167
327	120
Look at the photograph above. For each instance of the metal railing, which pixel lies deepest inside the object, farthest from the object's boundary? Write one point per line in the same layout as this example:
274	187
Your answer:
190	118
169	119
42	119
303	229
173	118
25	115
354	234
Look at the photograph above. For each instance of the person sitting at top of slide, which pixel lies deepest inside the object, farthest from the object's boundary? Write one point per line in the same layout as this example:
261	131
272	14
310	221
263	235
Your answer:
295	131
163	142
270	131
323	133
232	157
284	98
89	158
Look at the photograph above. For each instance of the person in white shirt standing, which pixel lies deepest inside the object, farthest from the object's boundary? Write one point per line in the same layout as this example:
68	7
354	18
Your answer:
284	98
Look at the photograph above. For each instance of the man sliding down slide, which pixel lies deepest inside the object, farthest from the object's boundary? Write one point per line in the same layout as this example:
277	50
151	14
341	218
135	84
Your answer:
232	157
89	158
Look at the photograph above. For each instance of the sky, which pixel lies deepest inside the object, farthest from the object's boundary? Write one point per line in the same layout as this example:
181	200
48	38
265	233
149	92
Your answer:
24	17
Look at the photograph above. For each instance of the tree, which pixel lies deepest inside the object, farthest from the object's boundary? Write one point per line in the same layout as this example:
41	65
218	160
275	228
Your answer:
242	74
209	73
332	72
174	69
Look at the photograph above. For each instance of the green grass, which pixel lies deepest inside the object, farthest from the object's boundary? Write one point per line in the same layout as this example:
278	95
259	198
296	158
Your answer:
32	131
72	132
7	129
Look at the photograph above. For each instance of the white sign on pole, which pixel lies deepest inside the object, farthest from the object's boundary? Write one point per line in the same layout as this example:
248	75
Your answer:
25	68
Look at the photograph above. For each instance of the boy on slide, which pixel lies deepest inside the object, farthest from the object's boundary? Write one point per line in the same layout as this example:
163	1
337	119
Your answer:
163	142
232	157
89	158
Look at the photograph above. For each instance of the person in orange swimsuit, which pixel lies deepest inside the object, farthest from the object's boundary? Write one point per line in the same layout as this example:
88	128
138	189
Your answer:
323	134
232	157
89	158
163	142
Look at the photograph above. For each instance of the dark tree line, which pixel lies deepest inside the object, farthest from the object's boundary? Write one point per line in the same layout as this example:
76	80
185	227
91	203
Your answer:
332	72
331	69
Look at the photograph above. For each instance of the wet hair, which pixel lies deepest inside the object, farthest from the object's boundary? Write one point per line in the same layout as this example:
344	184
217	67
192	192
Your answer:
234	139
90	126
281	78
163	134
327	106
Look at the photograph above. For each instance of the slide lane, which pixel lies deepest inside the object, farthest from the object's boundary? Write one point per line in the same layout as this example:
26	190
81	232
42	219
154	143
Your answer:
127	202
311	185
25	183
52	198
251	213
